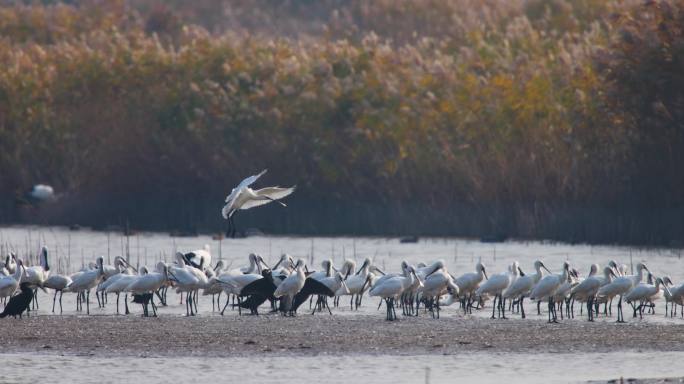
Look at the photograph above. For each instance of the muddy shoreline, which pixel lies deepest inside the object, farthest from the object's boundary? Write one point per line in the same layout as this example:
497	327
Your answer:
274	335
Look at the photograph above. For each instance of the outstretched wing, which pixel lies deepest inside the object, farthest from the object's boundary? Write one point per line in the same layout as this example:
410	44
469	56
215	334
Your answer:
250	180
267	195
275	193
236	191
311	287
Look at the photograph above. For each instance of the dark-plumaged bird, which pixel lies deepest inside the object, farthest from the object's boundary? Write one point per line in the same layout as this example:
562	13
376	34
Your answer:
144	299
19	303
311	287
257	292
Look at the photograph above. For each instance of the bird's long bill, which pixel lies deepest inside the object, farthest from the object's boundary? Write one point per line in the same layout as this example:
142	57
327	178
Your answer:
362	267
261	260
420	282
547	270
380	270
366	282
346	288
174	276
129	265
278	263
521	272
485	274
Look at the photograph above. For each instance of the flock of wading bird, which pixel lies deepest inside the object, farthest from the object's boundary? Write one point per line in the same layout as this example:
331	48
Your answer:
289	284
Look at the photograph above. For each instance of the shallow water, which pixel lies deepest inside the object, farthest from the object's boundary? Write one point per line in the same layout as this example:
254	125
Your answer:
70	250
462	368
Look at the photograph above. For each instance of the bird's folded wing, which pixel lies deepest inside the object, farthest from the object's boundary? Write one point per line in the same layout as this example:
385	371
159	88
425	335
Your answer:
263	287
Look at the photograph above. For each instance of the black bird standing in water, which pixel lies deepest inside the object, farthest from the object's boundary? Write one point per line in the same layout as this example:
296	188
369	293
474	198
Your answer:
19	303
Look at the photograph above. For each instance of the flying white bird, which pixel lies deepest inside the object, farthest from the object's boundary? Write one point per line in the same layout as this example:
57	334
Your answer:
244	197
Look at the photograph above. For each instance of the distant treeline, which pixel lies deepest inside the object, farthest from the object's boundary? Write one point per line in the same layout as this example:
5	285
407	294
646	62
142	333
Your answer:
539	119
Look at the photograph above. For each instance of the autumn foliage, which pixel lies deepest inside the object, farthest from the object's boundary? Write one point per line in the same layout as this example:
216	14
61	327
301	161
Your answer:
558	119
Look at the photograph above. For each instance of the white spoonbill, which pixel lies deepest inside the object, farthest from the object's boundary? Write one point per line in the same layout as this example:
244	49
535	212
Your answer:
620	287
9	284
586	290
243	197
357	284
291	286
468	284
522	286
37	274
495	286
59	284
436	284
84	282
547	287
200	258
149	283
394	287
643	293
120	283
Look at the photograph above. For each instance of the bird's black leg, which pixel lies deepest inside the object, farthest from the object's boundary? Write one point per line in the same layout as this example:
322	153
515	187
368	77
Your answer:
60	301
126	311
522	308
224	307
154	307
54	300
88	302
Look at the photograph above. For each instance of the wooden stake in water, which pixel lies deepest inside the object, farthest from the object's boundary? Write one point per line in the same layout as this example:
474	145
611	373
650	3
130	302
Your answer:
354	245
312	251
220	241
109	258
69	253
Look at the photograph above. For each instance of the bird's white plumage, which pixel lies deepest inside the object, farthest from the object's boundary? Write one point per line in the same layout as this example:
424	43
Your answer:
244	197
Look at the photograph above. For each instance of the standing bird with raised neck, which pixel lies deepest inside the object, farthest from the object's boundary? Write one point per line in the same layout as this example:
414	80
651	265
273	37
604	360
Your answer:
392	288
495	286
547	287
468	283
36	275
620	287
243	197
149	283
84	282
9	284
586	290
290	287
523	285
186	281
643	293
357	284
